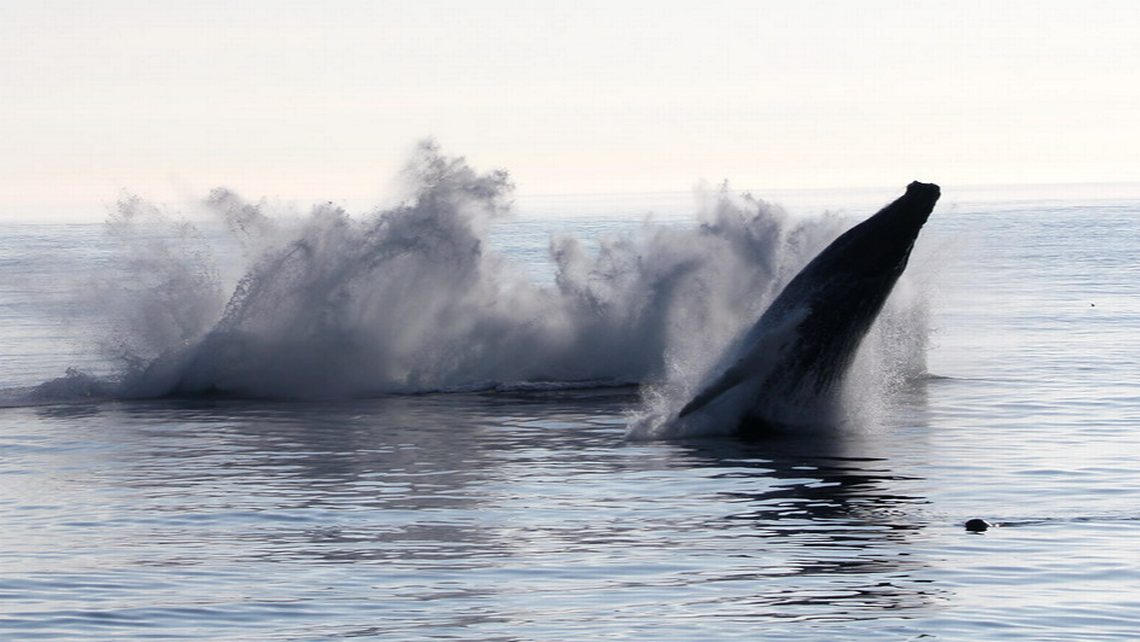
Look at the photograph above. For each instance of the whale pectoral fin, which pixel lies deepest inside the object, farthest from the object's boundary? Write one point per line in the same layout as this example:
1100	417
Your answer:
724	383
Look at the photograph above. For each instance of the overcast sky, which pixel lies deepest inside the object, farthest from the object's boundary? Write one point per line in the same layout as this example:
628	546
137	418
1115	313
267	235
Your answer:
324	100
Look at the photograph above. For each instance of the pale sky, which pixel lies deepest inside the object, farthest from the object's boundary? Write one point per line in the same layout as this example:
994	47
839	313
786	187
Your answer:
324	100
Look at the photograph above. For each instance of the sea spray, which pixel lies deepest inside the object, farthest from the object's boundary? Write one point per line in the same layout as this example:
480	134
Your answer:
162	289
264	301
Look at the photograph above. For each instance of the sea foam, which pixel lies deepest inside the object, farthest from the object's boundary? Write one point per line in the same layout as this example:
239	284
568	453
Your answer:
262	301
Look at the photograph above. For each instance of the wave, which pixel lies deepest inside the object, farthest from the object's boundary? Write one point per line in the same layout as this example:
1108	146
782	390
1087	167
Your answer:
414	298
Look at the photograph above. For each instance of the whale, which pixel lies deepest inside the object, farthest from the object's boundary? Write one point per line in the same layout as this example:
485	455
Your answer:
803	344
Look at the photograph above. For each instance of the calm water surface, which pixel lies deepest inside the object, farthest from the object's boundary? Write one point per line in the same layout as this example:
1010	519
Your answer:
529	516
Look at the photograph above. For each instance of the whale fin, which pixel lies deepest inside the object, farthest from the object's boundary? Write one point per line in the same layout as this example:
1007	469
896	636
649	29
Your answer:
727	381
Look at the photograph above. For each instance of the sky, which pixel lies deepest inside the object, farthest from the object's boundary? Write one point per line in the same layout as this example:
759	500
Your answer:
325	101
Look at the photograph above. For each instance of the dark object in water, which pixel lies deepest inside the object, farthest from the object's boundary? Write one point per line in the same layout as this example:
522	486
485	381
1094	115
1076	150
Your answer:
978	525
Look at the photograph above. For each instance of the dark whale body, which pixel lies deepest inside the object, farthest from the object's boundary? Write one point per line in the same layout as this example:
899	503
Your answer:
802	345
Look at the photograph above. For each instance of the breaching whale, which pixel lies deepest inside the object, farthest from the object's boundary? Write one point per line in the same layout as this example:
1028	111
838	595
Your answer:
801	347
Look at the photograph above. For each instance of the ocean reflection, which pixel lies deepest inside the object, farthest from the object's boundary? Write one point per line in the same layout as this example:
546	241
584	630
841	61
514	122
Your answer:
825	524
499	511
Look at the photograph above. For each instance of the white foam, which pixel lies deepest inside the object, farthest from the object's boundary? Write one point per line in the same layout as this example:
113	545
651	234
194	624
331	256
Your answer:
411	298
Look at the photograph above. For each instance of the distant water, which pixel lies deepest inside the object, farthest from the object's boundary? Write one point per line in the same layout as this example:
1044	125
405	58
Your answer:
318	500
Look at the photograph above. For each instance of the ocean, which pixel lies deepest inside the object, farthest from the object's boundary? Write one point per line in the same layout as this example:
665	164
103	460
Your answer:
428	422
